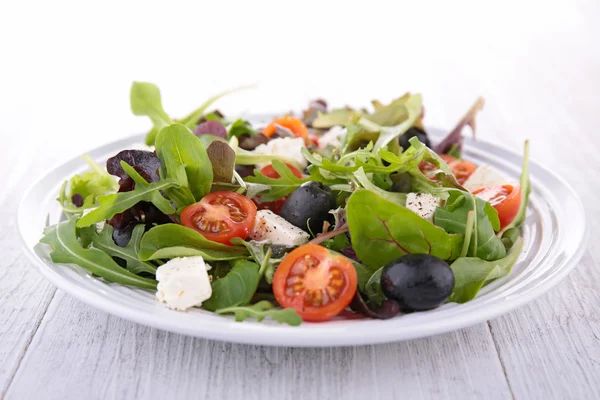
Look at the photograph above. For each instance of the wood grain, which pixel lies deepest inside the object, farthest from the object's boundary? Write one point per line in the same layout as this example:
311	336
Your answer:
95	355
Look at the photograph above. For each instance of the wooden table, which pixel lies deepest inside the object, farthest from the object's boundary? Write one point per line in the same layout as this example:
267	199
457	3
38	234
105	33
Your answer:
540	73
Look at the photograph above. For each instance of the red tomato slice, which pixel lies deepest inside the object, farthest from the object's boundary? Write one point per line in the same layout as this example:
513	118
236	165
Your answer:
460	168
293	124
315	282
275	205
506	199
221	216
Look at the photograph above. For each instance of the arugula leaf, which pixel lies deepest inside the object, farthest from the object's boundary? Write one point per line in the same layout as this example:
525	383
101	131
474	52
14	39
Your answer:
471	273
373	288
382	231
156	197
67	250
278	187
261	310
453	218
113	204
236	288
104	241
88	185
358	136
174	240
186	150
525	192
414	108
239	128
362	180
145	100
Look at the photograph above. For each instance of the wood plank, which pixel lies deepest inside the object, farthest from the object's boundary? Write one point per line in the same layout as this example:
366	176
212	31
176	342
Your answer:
80	352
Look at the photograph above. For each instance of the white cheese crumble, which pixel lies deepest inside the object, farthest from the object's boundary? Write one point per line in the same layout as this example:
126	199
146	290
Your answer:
484	175
423	204
285	147
272	227
183	282
333	137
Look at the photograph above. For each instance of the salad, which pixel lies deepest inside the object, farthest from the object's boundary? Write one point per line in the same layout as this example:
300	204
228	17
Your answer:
337	213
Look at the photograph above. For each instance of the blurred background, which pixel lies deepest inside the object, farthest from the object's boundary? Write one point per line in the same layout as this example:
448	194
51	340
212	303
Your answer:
66	66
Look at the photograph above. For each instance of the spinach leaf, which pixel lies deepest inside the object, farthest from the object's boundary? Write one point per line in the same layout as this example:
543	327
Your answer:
236	288
186	150
261	256
471	273
67	250
174	240
261	310
104	241
453	218
373	288
112	204
88	185
382	231
525	192
145	100
278	187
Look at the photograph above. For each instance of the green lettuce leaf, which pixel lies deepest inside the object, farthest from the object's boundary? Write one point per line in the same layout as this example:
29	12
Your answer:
104	241
236	288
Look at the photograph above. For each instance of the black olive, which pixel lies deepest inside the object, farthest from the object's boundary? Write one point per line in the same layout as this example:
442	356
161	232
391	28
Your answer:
418	282
401	183
309	204
412	132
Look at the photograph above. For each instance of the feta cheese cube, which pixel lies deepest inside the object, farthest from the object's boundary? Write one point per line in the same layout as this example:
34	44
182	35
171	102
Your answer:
423	204
285	147
484	175
183	283
272	227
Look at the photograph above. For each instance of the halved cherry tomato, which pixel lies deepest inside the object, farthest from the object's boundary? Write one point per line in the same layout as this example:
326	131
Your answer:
315	282
506	199
221	216
460	168
275	205
293	124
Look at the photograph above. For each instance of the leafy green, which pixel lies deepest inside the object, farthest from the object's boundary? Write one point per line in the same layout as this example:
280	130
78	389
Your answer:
113	204
391	115
174	240
245	157
278	187
373	288
471	273
186	149
67	250
453	218
382	231
362	180
525	192
236	288
261	256
414	108
222	158
145	100
261	310
338	116
239	128
191	120
337	242
358	136
88	185
104	241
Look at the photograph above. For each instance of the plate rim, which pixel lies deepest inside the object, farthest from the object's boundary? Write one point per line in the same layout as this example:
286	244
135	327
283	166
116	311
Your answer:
237	335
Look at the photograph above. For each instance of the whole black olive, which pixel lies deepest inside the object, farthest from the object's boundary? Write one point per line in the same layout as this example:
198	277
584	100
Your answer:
418	282
309	204
401	183
412	132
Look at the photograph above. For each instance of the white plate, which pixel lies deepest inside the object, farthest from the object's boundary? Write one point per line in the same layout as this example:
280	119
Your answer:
554	232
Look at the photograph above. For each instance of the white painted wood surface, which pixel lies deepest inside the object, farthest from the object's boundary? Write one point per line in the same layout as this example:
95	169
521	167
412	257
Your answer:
64	90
